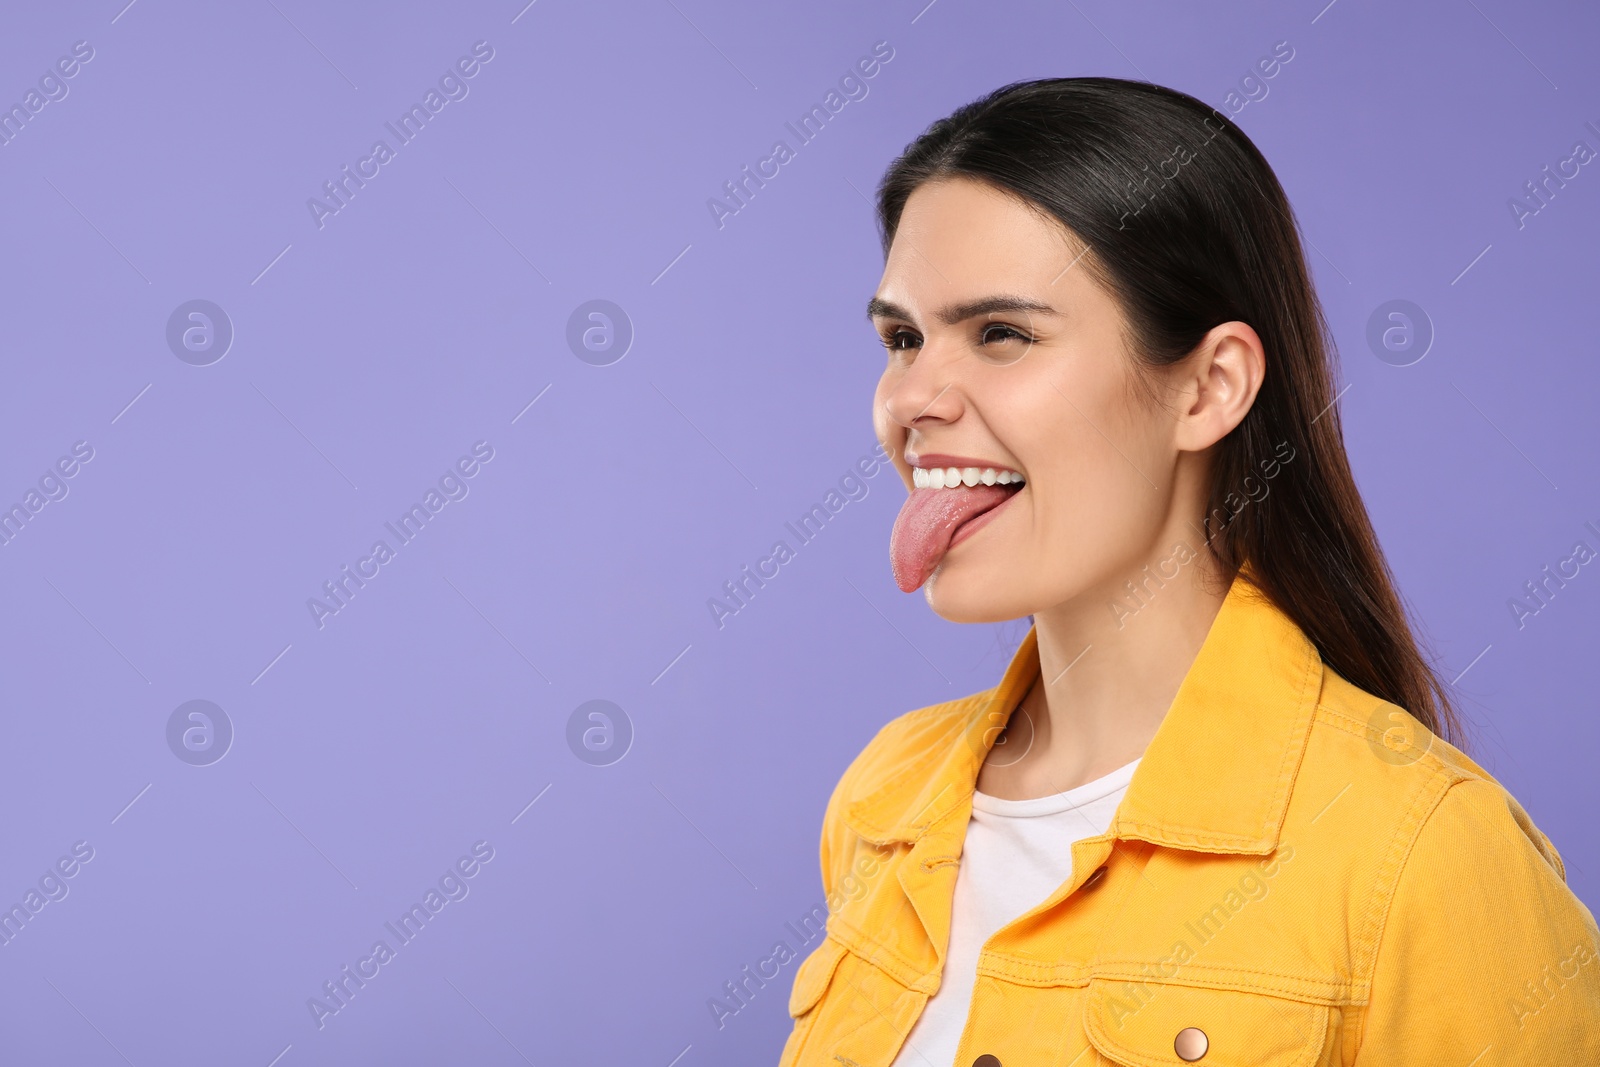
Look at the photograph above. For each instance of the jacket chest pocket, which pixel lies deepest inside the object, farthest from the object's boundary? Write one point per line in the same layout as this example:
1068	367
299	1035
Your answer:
813	976
1157	1024
847	1010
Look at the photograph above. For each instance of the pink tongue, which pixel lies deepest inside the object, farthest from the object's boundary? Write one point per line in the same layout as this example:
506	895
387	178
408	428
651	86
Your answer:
927	521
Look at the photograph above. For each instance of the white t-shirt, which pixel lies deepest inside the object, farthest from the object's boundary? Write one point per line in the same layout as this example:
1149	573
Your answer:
1016	854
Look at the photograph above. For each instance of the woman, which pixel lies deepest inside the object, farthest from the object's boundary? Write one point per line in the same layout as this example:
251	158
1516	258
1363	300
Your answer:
1210	812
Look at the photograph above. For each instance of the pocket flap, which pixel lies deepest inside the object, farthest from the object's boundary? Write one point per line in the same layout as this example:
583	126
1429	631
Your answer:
811	980
1138	1022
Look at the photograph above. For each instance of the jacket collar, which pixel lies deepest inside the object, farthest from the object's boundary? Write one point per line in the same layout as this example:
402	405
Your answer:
1216	777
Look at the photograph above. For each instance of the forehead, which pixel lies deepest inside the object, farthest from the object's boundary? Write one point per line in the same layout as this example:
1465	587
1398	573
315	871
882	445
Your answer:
964	209
959	237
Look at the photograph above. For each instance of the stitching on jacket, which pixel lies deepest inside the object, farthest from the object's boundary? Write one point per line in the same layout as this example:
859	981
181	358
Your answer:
1295	752
1288	770
857	935
1343	720
1338	992
1190	835
1436	763
1430	793
878	830
932	756
1342	994
1524	822
1094	1026
1244	989
826	972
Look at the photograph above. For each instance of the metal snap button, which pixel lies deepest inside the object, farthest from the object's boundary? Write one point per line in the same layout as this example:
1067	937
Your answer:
986	1060
1190	1044
1089	882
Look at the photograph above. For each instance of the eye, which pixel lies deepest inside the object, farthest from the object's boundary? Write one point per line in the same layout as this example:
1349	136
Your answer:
899	339
995	332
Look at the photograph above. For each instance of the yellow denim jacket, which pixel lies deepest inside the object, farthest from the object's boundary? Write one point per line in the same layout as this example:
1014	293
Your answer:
1299	874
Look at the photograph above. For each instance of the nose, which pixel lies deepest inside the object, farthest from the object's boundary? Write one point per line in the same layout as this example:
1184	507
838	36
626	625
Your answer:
927	389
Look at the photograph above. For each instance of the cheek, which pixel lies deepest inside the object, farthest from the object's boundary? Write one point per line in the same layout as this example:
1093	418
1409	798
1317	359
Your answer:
1090	469
1082	527
1110	473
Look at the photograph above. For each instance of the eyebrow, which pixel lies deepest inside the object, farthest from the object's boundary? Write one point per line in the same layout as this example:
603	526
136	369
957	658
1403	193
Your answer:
954	313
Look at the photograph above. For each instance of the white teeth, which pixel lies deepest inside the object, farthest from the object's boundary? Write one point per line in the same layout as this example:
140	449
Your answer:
956	477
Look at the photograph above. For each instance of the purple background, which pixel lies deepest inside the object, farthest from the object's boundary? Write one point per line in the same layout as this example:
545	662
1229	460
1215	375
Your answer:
426	315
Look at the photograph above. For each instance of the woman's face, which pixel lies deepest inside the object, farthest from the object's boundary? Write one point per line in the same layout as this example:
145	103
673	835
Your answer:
1004	353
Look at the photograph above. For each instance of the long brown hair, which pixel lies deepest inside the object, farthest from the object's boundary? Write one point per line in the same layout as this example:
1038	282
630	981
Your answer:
1188	227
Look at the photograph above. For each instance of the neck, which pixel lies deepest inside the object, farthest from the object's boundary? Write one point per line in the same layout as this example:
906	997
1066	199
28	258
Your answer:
1111	662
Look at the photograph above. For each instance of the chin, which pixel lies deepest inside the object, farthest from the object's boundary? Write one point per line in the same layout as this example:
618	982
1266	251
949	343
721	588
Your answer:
972	598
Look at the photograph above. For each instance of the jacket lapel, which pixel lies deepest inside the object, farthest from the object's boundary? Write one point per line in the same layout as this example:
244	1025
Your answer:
1216	777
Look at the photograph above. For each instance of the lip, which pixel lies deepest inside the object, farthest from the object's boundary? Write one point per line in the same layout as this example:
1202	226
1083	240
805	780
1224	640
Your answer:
972	526
928	460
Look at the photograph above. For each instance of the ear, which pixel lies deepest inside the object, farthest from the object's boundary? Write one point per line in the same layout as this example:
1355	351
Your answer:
1216	385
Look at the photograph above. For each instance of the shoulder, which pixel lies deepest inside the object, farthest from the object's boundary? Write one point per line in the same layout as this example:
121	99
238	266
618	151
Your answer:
1426	783
1449	877
905	750
1416	830
911	742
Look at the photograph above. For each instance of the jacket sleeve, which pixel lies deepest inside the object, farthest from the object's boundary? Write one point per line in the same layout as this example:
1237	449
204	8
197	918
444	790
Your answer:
1485	951
830	846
